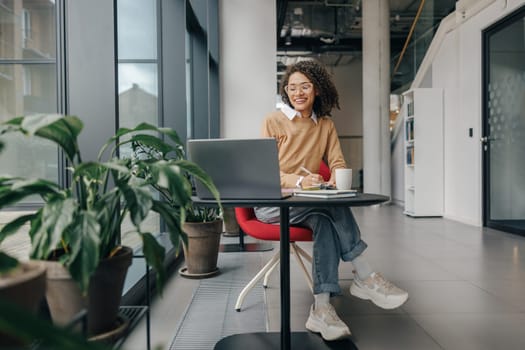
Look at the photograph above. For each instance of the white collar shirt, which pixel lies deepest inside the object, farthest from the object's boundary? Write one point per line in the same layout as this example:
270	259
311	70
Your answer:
291	113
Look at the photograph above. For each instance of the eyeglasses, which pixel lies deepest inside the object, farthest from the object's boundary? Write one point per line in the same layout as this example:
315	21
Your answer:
304	87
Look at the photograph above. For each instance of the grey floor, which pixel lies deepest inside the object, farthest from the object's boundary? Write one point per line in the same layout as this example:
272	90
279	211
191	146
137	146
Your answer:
466	287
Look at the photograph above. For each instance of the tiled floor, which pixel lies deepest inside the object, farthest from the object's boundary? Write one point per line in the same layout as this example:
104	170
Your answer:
466	286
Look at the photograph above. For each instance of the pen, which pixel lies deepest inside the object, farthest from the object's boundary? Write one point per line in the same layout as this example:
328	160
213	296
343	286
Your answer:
305	170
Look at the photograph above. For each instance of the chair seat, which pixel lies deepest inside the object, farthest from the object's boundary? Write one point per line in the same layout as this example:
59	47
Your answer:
269	232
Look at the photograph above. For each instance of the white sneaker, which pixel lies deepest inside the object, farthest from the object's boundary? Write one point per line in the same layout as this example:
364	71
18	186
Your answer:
380	291
324	320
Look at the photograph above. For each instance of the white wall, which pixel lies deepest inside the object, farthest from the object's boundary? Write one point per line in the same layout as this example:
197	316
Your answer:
457	68
248	67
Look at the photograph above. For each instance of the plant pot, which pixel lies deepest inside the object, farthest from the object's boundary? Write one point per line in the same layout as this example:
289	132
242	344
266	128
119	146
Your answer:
24	287
230	227
202	251
102	302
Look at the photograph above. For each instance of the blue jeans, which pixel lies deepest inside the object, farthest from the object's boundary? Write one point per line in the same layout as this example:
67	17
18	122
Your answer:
336	236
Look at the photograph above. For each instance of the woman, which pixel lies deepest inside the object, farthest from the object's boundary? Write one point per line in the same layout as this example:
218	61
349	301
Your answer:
306	136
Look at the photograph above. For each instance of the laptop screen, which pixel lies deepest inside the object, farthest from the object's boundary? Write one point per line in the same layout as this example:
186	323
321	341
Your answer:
239	168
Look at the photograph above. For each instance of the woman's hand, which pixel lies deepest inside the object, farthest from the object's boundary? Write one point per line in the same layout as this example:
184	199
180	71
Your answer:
312	180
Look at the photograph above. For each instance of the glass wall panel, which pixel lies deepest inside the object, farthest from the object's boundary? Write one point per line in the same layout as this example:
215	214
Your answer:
137	80
138	93
137	33
28	83
28	89
27	29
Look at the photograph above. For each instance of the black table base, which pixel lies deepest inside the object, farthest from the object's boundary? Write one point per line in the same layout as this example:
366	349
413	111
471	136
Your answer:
272	340
247	247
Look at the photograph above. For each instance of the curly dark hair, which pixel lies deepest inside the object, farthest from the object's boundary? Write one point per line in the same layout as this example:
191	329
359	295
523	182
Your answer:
327	97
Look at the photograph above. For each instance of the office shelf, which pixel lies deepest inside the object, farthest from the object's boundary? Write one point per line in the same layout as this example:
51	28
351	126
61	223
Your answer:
423	134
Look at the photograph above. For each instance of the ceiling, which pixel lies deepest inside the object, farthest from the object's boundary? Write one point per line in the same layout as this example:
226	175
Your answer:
331	30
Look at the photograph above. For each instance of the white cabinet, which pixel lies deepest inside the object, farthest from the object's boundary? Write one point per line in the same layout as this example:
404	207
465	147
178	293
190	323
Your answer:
423	123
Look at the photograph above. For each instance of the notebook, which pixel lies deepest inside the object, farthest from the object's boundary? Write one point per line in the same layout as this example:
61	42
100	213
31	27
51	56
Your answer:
239	168
320	193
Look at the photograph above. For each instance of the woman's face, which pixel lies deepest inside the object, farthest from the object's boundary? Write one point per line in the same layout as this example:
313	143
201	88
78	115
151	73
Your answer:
301	93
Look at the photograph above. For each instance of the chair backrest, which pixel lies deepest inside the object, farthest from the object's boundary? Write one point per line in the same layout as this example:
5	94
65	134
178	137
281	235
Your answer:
324	171
251	226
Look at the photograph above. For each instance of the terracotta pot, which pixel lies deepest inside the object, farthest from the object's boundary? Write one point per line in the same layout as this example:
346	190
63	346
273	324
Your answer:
25	287
202	251
230	227
103	298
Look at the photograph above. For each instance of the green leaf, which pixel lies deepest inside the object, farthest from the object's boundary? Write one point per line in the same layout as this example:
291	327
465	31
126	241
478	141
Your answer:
149	140
155	255
93	170
172	219
200	175
84	244
11	123
54	218
32	123
139	202
171	177
109	215
12	192
152	142
61	130
14	225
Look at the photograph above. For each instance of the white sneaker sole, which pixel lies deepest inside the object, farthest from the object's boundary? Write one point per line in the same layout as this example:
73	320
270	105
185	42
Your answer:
316	327
383	303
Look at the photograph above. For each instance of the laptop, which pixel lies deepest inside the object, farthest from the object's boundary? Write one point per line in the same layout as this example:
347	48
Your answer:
239	168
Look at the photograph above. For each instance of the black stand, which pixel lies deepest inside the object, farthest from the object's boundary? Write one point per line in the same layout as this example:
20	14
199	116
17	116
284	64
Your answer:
265	341
244	247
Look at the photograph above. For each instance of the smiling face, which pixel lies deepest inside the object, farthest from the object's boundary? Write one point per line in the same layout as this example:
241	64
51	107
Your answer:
301	93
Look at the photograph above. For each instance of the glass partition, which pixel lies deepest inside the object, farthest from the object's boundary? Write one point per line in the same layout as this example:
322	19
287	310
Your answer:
28	83
503	139
138	81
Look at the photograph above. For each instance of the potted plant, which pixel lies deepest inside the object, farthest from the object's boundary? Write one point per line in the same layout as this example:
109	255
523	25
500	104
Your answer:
83	220
203	227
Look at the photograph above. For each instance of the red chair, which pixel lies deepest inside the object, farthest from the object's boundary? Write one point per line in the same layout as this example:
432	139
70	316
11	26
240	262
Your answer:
269	232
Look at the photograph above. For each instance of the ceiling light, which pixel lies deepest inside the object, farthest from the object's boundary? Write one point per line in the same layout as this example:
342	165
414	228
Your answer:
327	40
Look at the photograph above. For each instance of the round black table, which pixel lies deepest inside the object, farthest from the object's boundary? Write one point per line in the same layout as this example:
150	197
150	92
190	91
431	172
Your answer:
286	339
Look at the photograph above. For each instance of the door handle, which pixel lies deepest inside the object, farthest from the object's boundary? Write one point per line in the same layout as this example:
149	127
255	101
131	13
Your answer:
486	139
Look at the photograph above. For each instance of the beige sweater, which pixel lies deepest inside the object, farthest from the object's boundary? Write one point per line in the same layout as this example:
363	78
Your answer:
302	142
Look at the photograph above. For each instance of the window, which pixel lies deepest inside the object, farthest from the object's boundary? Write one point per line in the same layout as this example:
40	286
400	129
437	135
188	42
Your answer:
28	82
138	71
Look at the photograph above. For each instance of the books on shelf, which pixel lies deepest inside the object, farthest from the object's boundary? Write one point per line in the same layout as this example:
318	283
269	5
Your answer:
410	155
410	108
325	193
409	128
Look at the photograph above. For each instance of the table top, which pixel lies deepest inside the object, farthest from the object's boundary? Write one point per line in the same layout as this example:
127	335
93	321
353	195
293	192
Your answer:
361	199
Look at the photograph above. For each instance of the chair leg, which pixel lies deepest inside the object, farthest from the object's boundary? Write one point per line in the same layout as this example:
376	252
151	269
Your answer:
298	252
269	272
255	279
304	253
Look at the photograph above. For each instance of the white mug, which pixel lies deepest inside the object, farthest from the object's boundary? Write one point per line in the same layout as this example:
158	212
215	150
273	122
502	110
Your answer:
343	179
